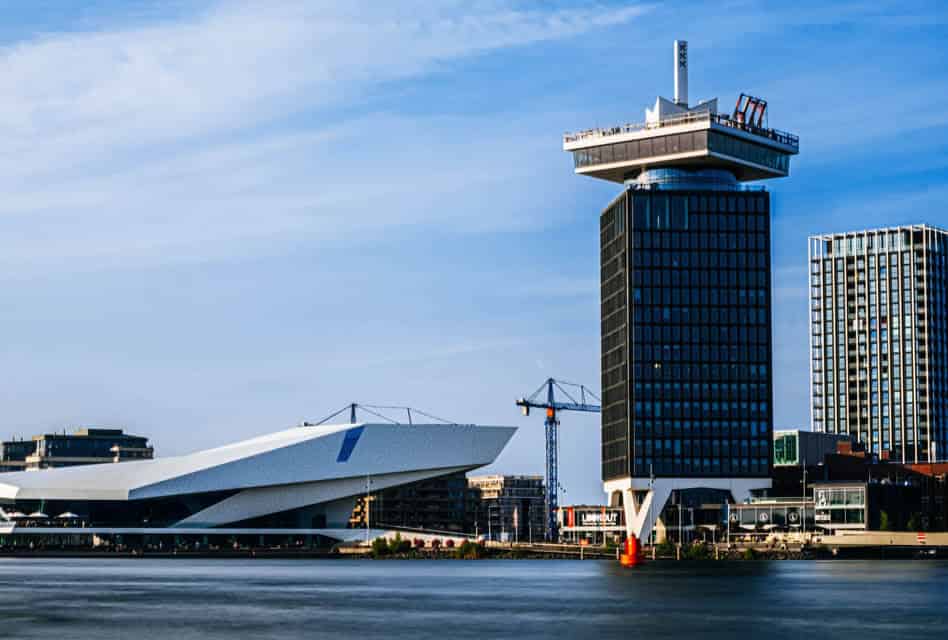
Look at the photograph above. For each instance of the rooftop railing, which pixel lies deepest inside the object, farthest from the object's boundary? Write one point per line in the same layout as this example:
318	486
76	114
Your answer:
776	135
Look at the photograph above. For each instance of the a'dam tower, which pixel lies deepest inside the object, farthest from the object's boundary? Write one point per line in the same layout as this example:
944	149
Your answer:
687	382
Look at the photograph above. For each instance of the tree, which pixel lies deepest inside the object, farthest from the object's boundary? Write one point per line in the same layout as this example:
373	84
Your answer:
884	524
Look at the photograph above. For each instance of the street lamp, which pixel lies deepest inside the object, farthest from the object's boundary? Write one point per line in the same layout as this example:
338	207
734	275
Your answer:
651	490
803	504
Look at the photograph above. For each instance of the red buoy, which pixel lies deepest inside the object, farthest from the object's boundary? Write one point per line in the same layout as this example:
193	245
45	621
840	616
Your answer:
633	552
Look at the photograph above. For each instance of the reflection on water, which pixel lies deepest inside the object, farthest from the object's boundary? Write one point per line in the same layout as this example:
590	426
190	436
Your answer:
121	598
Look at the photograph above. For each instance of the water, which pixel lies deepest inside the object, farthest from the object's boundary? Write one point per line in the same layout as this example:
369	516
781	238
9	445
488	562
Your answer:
182	599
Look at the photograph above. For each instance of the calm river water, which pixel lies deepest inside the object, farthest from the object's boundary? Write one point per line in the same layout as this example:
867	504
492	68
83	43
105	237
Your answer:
181	599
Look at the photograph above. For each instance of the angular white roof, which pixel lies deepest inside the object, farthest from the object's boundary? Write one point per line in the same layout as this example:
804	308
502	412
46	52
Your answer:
297	455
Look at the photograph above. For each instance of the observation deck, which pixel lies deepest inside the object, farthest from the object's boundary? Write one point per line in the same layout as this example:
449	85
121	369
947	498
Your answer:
695	139
675	135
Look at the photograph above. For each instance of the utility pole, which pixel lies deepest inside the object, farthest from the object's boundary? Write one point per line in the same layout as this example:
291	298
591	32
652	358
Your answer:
680	538
651	502
803	504
368	503
727	523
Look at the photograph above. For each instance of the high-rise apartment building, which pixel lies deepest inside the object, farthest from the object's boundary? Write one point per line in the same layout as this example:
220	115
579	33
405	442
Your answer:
878	337
687	379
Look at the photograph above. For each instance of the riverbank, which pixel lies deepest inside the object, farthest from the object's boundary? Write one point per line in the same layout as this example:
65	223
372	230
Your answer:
661	555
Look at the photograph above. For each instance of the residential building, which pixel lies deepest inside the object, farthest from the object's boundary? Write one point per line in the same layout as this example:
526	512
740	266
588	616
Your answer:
879	340
445	503
685	271
511	508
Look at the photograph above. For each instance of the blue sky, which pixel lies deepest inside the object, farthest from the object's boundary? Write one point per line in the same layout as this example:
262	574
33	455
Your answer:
219	219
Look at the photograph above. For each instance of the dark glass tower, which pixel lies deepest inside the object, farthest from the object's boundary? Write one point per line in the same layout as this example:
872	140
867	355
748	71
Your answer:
694	398
687	381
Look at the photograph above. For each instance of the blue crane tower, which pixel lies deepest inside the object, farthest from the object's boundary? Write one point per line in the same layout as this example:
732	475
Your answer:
552	407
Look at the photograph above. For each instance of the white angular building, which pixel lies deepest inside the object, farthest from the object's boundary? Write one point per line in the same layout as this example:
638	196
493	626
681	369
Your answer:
303	480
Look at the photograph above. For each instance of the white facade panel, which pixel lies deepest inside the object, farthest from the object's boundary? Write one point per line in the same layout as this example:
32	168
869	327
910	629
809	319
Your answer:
278	472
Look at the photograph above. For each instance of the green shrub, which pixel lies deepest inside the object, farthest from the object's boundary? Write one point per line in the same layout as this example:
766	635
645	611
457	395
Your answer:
749	554
397	545
470	551
884	523
665	548
697	552
380	547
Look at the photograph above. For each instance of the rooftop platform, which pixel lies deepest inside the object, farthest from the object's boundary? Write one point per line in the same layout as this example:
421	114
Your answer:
698	138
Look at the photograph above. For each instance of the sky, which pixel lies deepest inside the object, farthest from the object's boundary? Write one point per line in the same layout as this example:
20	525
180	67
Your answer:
219	219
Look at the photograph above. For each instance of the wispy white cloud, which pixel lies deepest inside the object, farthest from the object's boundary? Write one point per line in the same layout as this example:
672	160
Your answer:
198	136
887	208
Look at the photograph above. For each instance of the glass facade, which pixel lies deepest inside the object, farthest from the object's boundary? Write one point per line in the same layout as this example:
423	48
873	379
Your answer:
686	334
657	146
785	449
744	150
835	508
642	149
878	340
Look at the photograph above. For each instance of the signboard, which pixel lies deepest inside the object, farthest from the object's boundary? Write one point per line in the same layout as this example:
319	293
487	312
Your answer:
591	518
598	518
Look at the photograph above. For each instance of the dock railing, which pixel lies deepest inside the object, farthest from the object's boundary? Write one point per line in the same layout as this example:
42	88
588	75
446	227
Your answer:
690	117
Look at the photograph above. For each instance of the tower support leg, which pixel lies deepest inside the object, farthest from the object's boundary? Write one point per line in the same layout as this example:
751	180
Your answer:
643	500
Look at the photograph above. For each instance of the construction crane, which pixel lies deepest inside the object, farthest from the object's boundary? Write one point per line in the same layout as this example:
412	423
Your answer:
544	398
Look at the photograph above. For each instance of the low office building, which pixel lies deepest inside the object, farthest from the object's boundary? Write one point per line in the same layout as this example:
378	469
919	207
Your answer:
13	454
796	446
593	524
301	481
768	515
511	508
87	446
849	491
444	504
84	446
881	504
